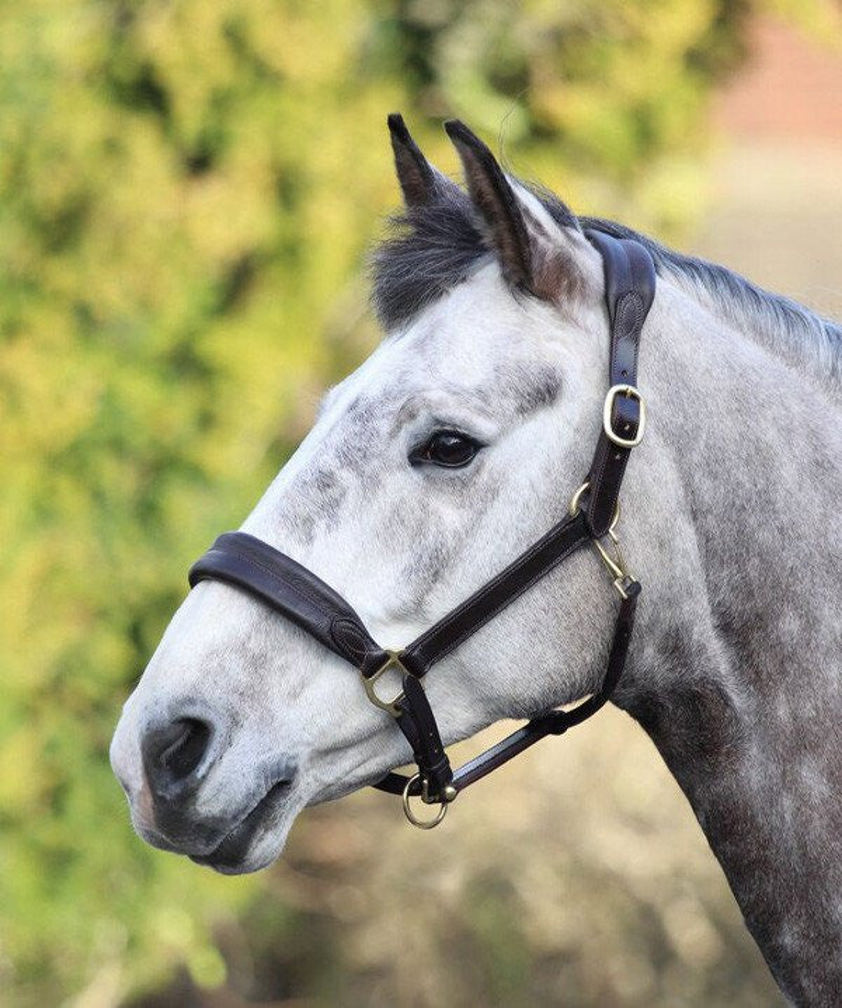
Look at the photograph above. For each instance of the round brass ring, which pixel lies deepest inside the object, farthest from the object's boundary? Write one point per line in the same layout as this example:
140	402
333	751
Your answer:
576	499
410	815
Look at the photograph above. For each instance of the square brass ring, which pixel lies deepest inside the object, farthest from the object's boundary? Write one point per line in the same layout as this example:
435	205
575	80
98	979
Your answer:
390	706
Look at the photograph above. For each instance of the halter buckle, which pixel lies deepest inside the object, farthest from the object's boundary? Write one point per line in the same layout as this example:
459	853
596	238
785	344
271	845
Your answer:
631	392
390	706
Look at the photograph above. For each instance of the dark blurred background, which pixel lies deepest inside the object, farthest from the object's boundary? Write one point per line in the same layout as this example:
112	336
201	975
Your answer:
187	193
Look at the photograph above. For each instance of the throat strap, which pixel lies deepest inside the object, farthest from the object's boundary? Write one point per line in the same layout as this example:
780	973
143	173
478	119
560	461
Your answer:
551	723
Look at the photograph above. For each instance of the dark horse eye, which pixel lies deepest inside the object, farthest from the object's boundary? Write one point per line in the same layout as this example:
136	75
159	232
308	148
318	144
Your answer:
446	448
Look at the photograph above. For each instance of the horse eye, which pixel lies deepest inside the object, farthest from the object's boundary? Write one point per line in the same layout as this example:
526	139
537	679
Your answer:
446	448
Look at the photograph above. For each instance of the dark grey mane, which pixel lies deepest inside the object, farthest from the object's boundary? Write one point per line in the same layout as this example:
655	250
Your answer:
793	329
433	248
430	249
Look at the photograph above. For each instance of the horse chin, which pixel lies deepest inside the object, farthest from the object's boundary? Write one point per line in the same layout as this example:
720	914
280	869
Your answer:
235	856
257	839
251	843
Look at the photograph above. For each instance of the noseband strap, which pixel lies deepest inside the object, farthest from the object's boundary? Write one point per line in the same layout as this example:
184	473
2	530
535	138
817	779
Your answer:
293	591
299	595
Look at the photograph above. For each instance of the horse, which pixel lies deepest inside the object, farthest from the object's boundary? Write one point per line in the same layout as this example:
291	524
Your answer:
450	450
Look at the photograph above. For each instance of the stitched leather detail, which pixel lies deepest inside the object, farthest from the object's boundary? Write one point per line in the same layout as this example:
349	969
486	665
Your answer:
252	565
629	292
628	322
454	628
424	736
354	641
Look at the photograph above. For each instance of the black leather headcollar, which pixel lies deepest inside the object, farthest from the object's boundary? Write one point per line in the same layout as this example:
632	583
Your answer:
296	593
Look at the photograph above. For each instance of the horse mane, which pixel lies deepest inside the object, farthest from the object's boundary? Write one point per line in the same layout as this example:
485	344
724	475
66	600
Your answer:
782	324
430	249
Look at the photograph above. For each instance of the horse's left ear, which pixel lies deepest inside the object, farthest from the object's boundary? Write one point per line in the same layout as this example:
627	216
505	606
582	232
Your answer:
536	253
420	183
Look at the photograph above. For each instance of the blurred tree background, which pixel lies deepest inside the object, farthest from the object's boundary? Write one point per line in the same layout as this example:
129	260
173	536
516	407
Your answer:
187	192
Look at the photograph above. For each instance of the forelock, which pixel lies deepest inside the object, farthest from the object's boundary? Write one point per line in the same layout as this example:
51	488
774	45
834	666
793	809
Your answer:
428	251
431	249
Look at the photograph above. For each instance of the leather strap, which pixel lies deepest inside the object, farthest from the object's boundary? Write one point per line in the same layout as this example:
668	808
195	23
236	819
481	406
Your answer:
629	292
552	723
249	563
418	723
495	595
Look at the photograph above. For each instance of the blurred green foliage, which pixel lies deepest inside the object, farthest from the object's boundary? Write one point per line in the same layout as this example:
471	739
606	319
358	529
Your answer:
187	190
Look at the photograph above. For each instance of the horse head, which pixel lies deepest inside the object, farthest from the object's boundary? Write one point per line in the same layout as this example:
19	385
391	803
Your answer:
454	446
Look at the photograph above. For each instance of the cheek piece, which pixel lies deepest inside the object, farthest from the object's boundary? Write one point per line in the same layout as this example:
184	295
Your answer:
297	594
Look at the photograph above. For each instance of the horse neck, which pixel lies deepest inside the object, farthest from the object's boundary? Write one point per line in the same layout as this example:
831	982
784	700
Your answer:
736	672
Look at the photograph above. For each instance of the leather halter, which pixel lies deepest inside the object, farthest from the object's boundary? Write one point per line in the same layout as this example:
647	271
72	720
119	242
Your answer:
296	593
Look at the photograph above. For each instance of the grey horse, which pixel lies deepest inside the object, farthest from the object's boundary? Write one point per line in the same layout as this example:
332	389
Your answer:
456	445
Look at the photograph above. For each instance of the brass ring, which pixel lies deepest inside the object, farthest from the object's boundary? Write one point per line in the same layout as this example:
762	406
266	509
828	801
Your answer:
575	500
410	815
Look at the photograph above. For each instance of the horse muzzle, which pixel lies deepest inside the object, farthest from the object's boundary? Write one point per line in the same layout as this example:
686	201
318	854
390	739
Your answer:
186	795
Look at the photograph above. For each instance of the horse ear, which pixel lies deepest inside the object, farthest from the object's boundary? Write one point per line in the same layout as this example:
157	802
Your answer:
536	252
418	180
495	199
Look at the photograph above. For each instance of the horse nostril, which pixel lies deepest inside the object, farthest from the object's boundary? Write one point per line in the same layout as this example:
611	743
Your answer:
173	752
188	747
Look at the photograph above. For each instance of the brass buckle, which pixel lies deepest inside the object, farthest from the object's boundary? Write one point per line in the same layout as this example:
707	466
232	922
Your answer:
607	408
390	706
450	794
